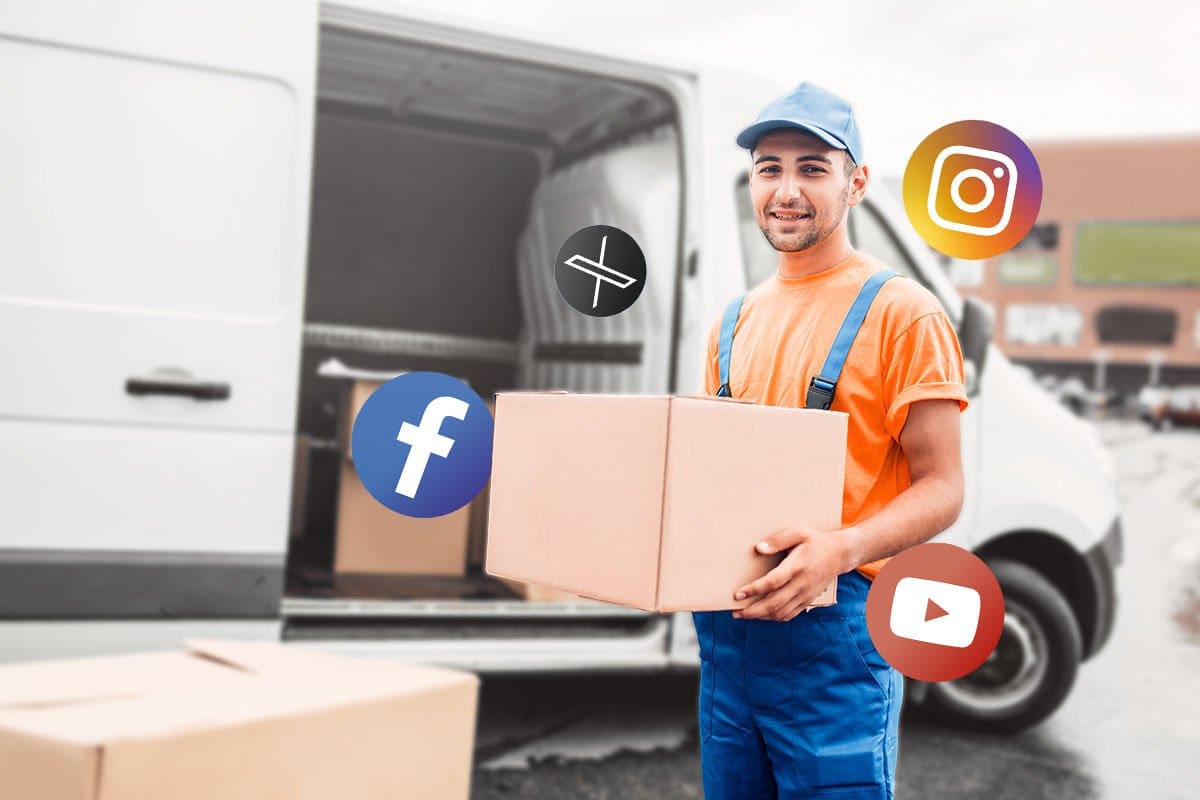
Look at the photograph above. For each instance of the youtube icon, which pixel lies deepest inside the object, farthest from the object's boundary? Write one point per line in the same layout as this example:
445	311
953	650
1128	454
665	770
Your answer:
935	612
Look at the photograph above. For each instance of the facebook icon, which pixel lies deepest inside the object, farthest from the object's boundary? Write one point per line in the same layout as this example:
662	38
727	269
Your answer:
422	444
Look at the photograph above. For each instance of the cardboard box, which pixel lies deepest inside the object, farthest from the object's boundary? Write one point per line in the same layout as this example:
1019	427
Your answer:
372	539
244	720
656	502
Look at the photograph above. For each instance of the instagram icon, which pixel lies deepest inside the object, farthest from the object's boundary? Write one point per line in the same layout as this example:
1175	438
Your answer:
972	189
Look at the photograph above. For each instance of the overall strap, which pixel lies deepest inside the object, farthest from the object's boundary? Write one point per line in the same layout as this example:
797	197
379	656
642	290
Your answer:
824	384
725	345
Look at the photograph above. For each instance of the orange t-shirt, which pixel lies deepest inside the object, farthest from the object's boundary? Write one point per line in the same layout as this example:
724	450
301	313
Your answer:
906	350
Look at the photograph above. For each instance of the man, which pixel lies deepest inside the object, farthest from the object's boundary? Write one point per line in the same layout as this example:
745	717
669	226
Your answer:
798	704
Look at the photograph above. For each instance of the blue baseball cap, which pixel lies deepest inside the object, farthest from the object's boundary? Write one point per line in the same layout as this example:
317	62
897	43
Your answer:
813	109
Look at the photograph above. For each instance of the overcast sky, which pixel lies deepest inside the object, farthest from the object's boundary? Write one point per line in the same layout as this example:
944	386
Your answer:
1042	69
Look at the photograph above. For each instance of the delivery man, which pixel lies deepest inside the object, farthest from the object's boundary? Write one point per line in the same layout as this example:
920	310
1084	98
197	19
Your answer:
801	705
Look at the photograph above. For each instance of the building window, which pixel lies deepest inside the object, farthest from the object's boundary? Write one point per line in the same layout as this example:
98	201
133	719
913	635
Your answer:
1138	253
1041	324
966	273
1034	259
1018	266
1136	325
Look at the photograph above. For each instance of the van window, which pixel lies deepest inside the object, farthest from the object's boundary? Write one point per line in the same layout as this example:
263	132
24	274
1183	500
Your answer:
870	234
760	259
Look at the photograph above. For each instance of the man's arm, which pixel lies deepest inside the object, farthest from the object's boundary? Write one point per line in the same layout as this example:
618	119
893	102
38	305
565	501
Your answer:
931	443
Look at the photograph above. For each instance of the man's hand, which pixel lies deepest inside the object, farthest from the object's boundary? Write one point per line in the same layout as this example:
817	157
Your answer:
816	558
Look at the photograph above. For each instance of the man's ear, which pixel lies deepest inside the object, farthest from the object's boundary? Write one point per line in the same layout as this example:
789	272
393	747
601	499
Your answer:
858	185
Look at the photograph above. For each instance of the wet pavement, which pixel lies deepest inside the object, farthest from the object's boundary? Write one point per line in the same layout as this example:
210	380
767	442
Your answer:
1129	729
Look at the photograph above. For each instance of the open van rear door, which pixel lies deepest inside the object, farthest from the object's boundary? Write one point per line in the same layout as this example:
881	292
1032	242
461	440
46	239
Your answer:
155	161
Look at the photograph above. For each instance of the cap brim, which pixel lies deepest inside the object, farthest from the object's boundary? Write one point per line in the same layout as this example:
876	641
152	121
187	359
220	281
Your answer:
749	137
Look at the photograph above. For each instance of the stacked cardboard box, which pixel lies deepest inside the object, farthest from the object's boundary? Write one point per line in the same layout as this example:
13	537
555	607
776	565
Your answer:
235	720
373	539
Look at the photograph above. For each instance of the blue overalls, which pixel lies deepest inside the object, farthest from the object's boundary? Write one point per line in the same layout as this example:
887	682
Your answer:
806	708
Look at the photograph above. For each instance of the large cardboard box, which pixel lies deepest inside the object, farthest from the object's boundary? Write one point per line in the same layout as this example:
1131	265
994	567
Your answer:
656	502
237	721
372	539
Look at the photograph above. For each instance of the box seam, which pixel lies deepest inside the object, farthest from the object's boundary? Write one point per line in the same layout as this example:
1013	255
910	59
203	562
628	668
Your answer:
98	792
662	508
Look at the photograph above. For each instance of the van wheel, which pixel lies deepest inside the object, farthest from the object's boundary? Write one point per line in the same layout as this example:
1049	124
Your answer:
1032	669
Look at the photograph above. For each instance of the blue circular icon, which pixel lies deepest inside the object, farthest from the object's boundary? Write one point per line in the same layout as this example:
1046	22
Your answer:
422	444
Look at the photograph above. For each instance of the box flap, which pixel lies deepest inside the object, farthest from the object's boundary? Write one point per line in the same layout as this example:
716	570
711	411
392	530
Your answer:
264	659
75	680
749	400
214	683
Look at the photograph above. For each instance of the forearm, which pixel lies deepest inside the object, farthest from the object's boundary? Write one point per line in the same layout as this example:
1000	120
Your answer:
923	510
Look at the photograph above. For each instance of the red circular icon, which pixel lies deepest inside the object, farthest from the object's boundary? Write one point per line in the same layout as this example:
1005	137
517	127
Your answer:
935	612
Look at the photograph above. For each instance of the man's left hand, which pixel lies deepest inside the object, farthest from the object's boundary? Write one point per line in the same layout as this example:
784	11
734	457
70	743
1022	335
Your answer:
816	558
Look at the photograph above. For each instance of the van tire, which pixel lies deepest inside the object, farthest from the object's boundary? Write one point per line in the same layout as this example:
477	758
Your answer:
1039	626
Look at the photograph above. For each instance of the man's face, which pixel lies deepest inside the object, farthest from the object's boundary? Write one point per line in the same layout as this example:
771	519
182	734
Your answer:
799	189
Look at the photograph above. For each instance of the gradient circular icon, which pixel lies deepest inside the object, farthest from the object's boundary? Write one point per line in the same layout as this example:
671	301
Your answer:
935	612
972	189
600	270
422	444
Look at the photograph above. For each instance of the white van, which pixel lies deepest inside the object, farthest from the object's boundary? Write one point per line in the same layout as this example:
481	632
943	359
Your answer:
203	202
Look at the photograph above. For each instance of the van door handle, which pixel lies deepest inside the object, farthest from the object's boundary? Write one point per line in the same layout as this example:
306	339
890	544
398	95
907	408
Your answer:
178	387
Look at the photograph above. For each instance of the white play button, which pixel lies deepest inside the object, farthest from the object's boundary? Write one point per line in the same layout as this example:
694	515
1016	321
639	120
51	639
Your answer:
935	612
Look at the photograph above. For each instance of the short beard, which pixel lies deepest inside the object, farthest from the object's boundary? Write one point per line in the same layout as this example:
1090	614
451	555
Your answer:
813	237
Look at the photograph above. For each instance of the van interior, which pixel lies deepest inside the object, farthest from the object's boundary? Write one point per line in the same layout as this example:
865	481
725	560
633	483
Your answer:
444	183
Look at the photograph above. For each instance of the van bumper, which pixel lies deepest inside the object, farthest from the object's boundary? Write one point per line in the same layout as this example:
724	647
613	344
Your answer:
1101	562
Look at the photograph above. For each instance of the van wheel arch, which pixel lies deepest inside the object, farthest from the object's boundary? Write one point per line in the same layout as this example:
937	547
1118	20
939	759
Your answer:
1032	670
1063	567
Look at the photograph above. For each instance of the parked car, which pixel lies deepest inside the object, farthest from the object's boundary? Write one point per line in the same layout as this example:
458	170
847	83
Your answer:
1180	406
1081	400
202	207
1151	404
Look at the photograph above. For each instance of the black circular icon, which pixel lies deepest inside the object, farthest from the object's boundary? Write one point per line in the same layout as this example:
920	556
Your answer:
600	270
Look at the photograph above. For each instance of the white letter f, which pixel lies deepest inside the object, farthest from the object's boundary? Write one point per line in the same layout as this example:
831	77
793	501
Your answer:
424	440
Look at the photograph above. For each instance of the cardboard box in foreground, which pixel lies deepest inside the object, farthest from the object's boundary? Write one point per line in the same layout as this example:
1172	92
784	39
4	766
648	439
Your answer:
656	502
243	720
